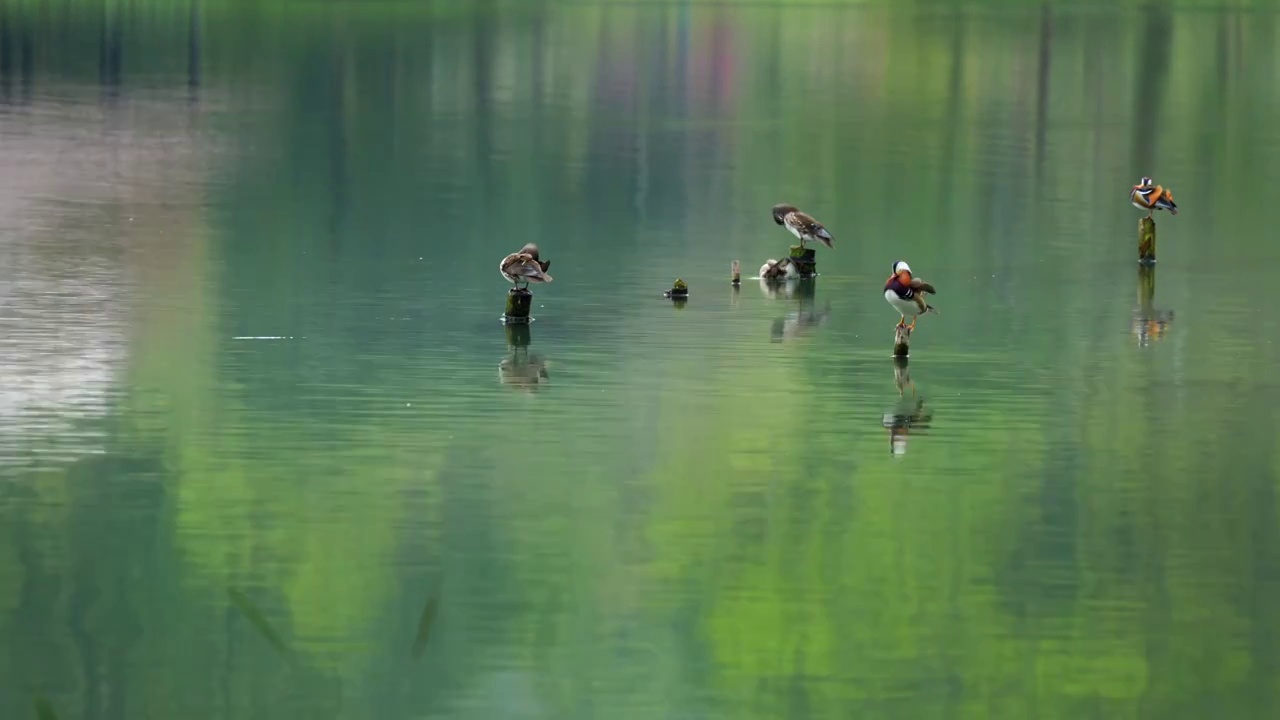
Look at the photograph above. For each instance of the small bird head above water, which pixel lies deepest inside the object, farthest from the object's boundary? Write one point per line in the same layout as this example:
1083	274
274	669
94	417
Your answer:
780	212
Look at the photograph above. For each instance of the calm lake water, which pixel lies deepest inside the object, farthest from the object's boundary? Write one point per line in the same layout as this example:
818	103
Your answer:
266	450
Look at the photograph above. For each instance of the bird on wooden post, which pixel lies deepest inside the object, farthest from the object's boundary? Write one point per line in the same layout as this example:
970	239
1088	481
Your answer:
802	225
522	266
906	294
1150	197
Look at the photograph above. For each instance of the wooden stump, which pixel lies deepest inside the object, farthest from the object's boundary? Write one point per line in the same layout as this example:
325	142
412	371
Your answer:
679	290
805	260
519	302
735	276
1147	241
901	341
518	335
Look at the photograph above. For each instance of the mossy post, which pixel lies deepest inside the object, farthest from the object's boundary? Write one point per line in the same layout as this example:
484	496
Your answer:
901	341
679	290
1147	241
519	301
805	260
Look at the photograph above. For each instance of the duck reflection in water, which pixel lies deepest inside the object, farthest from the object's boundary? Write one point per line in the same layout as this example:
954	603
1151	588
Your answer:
909	413
805	317
1149	323
520	369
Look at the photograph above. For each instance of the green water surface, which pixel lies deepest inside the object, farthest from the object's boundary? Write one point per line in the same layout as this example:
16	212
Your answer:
266	450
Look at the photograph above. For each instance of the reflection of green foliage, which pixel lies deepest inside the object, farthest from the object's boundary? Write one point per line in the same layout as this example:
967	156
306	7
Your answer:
44	709
1049	553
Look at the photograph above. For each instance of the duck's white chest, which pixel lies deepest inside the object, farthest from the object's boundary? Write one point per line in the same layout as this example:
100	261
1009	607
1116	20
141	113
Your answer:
907	308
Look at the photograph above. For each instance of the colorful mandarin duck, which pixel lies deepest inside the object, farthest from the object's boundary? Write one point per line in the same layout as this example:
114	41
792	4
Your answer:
906	294
802	225
525	267
1146	196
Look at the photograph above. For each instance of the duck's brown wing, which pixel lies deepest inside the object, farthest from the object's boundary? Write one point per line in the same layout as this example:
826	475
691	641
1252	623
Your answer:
806	224
523	265
918	284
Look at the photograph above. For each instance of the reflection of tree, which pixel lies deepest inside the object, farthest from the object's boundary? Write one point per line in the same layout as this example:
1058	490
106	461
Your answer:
1042	87
110	48
1070	562
1150	79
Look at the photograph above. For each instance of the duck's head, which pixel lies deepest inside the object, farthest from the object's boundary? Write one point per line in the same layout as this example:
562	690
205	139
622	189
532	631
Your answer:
900	266
530	249
1144	182
780	211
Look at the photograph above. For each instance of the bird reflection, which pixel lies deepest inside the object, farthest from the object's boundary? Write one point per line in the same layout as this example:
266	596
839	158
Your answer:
800	322
1149	323
805	317
787	288
520	369
908	413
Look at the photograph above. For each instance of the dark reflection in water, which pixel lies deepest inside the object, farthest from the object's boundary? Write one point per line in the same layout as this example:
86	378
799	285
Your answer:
909	413
521	369
248	307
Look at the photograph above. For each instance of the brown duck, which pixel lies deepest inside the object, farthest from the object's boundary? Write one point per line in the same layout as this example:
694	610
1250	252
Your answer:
525	267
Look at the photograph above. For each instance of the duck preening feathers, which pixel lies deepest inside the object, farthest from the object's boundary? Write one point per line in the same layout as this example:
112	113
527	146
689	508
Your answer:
906	294
525	267
1150	197
802	225
778	269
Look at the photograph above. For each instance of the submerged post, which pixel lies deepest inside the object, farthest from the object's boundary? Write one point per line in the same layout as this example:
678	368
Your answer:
1147	241
901	341
519	301
1146	286
735	276
679	290
805	260
518	335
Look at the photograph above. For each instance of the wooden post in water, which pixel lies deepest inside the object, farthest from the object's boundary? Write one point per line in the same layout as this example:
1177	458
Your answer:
1147	241
901	341
805	260
735	276
519	301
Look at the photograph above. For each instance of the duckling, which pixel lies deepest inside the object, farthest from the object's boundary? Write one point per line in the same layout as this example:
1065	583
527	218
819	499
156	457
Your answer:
802	225
524	266
906	294
1146	196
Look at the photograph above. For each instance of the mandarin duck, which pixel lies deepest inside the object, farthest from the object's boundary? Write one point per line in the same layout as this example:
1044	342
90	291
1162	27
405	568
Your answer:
906	294
802	225
1146	196
525	267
